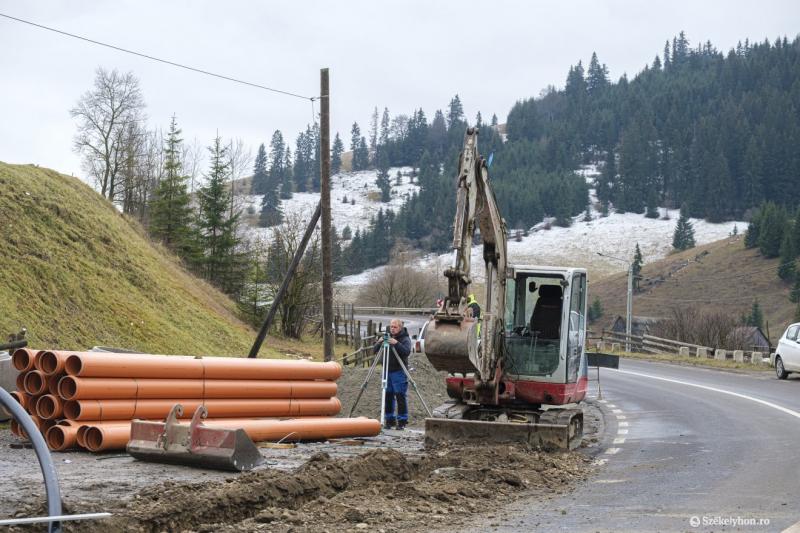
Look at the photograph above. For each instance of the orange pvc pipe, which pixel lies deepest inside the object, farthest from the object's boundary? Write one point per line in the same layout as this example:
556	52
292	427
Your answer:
74	388
60	437
302	428
35	383
21	397
91	364
52	362
52	382
17	430
20	381
23	359
129	409
37	360
49	407
80	436
103	437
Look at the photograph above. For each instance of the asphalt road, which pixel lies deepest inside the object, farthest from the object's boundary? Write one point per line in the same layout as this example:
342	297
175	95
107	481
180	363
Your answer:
686	449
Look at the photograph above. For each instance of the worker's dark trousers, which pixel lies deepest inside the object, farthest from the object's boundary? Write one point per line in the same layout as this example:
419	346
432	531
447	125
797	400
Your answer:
396	388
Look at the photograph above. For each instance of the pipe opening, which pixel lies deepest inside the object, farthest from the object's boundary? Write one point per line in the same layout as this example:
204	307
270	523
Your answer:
22	359
48	362
79	436
67	387
55	437
46	406
73	365
34	384
72	410
20	381
93	438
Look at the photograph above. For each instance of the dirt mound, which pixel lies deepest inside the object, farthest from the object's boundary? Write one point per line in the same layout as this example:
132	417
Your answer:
430	382
382	489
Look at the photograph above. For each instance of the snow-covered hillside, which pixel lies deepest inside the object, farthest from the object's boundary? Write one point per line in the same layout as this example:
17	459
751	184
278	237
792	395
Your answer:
358	186
578	245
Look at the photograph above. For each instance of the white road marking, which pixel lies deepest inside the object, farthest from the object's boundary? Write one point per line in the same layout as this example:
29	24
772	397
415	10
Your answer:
621	417
610	481
612	451
600	462
714	389
616	411
622	432
619	440
611	405
622	424
794	528
603	401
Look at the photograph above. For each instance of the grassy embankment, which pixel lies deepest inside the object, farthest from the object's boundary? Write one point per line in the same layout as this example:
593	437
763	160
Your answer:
77	273
722	275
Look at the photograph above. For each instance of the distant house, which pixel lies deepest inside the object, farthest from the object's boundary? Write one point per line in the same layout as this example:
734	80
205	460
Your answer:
749	338
640	325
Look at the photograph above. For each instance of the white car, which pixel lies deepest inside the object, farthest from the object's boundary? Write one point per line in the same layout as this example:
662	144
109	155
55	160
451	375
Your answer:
787	354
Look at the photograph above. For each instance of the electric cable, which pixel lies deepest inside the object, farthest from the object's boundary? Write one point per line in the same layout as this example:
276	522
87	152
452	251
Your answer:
165	61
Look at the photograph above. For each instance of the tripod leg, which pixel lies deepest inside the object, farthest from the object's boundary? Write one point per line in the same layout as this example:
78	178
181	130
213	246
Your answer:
410	379
384	380
366	381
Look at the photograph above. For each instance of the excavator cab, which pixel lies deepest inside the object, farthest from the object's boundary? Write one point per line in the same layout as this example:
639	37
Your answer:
545	327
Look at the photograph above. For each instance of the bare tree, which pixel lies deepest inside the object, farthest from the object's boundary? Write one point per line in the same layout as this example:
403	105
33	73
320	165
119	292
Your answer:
105	115
304	293
192	158
401	284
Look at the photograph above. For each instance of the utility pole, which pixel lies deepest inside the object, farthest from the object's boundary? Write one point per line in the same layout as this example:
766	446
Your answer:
325	202
629	300
629	310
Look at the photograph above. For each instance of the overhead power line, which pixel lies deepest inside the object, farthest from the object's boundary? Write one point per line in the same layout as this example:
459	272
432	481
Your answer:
165	61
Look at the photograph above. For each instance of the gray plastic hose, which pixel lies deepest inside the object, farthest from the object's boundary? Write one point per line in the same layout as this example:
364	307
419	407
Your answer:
42	453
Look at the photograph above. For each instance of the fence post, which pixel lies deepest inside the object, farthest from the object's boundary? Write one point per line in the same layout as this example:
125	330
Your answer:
702	352
757	358
683	350
738	356
720	355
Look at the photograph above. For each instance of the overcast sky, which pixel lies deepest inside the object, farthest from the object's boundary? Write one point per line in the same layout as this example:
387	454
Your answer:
400	55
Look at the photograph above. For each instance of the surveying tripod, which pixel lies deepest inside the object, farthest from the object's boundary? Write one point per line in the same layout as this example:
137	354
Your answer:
386	351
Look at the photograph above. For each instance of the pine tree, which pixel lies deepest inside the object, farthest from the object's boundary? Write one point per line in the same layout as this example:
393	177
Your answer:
286	175
636	266
347	233
455	113
595	311
362	153
355	141
683	238
383	140
258	184
216	225
773	222
170	209
756	317
382	180
373	138
336	154
788	267
794	295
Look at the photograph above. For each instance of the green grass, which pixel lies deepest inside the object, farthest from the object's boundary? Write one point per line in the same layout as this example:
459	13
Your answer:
77	273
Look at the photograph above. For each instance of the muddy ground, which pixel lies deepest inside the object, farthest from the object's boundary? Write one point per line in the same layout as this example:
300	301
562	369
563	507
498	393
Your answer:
386	483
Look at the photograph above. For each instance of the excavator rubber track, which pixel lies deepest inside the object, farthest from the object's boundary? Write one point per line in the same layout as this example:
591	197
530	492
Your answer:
553	430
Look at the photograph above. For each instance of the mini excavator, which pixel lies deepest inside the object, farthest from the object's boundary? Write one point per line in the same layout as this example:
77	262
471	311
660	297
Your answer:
516	374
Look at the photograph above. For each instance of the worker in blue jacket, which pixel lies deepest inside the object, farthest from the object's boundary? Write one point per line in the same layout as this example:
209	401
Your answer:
397	382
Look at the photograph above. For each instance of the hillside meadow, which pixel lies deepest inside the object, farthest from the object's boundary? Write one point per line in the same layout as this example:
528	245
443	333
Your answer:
77	273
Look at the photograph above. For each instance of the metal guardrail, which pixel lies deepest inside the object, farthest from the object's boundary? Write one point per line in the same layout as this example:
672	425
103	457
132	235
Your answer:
393	310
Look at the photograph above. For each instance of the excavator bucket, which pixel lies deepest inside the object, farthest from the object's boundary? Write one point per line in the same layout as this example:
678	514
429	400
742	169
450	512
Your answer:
192	444
555	430
448	345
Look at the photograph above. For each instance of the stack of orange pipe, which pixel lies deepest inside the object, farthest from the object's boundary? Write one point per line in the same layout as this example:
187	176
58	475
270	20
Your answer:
88	399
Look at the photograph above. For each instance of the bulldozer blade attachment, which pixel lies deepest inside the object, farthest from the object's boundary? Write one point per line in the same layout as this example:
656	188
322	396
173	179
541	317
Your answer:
192	444
548	436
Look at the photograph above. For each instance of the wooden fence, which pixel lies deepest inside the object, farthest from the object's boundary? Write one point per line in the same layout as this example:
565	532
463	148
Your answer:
615	341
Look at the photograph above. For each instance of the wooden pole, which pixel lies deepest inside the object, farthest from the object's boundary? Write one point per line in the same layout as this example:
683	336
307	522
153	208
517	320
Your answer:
325	200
